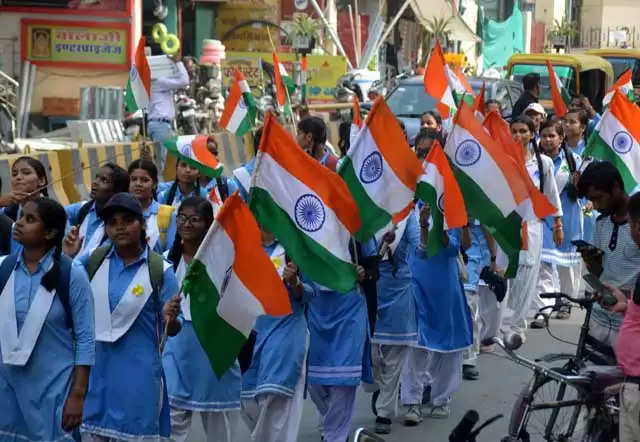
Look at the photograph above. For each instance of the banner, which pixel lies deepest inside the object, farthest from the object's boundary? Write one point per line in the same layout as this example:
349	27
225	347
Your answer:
251	37
76	44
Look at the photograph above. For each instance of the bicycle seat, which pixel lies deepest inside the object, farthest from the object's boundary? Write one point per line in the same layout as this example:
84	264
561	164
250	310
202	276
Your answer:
603	376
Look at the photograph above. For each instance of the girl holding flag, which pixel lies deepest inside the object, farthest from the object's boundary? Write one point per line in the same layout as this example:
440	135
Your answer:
185	185
191	382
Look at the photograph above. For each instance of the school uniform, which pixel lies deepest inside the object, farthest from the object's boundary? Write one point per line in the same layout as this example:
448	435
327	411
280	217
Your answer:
91	229
273	386
163	198
193	386
241	178
396	324
39	349
565	259
127	397
442	338
160	238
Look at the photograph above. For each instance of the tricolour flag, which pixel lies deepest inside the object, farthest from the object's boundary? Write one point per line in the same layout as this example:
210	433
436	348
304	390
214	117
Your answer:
230	282
240	109
617	139
307	207
479	105
492	186
284	85
138	93
381	171
559	95
303	79
357	122
439	189
193	150
625	85
436	82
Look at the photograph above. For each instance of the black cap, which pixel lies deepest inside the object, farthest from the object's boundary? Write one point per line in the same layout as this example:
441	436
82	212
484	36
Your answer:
122	201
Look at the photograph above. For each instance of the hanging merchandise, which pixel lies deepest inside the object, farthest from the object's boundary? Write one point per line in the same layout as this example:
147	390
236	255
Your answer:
169	43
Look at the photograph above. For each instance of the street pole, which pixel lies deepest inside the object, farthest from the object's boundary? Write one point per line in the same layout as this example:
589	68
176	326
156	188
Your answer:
332	34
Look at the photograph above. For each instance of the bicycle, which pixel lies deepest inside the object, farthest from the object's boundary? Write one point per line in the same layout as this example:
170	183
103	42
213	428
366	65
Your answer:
576	401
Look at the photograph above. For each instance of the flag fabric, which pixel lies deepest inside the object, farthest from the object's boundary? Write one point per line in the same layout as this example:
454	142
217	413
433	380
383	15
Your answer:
479	105
436	82
617	138
463	80
494	191
230	282
284	85
303	80
381	171
240	109
138	93
625	85
439	189
357	122
559	95
306	206
193	150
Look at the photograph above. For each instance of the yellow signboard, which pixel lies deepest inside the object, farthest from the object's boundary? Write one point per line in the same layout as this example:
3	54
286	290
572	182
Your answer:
251	37
323	71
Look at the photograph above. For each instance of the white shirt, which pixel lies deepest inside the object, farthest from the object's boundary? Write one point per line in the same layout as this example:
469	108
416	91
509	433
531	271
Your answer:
162	89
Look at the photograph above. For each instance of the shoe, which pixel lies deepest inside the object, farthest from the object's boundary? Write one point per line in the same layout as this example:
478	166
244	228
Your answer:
426	395
538	322
413	416
491	348
374	399
440	412
470	373
514	341
383	425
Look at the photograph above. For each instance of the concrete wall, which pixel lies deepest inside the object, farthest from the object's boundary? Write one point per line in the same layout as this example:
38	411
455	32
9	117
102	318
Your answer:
549	10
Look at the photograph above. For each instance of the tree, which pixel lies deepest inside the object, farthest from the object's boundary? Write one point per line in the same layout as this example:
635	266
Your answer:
435	28
564	30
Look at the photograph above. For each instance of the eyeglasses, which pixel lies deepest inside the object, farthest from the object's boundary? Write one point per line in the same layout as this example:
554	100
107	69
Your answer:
193	219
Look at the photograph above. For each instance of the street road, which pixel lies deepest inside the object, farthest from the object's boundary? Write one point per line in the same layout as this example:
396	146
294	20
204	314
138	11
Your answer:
494	393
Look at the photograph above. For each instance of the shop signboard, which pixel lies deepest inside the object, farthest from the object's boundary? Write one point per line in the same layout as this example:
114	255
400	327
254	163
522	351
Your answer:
253	36
76	44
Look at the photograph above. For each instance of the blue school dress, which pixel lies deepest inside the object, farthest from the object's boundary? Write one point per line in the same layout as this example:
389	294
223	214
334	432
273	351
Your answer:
478	256
241	178
579	149
92	227
565	255
178	197
153	229
34	388
396	322
127	397
281	344
444	319
191	382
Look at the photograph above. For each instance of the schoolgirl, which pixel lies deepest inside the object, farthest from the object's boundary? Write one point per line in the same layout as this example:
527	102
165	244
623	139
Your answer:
522	287
273	386
575	129
445	327
563	256
46	330
217	189
135	299
186	184
160	219
241	177
312	137
87	231
191	383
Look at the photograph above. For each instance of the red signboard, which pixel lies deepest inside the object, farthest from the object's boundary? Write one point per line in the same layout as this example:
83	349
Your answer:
290	7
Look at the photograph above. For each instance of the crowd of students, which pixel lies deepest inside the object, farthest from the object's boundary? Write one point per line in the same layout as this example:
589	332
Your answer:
89	291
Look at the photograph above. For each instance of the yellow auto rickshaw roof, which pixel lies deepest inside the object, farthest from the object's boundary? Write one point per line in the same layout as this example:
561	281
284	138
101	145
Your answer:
615	52
582	62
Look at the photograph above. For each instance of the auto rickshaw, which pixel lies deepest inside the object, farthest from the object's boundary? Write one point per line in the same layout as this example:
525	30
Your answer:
621	60
589	75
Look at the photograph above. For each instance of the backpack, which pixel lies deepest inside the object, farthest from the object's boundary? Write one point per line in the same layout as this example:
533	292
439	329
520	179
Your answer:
164	218
83	212
223	187
6	225
62	288
156	266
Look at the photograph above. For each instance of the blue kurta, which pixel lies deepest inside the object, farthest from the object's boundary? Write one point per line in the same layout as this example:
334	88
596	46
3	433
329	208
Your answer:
178	197
478	256
444	319
241	178
191	382
33	395
127	395
566	254
396	322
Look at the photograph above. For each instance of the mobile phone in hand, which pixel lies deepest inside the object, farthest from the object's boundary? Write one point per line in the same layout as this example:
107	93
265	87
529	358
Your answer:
608	298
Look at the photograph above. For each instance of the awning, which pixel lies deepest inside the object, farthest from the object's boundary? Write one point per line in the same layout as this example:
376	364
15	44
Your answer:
427	9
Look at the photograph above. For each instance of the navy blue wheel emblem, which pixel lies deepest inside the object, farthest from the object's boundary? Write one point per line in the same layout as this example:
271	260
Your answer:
185	150
468	153
241	103
371	169
441	203
622	142
309	213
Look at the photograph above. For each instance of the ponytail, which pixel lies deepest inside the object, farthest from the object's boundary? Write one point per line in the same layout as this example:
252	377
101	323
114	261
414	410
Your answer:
536	151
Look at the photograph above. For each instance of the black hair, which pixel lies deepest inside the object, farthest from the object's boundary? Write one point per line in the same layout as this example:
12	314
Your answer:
523	119
428	133
435	114
149	167
257	136
316	127
39	169
119	178
205	210
634	206
602	176
530	81
556	124
53	217
492	101
344	134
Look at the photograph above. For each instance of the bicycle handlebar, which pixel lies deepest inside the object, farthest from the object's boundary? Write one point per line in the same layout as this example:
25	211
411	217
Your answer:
583	302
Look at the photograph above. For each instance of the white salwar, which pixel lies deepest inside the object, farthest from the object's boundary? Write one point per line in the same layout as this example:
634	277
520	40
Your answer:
219	426
388	362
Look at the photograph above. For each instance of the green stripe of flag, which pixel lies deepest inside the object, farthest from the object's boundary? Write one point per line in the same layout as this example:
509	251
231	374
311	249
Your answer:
598	148
429	195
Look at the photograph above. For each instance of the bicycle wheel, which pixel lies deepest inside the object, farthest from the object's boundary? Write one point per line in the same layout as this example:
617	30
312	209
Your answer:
562	423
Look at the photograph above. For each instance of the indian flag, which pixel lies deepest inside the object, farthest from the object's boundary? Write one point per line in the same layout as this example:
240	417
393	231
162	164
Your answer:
459	85
625	85
357	122
231	281
303	79
439	189
493	189
138	91
284	85
193	149
307	207
559	95
617	138
436	82
381	171
240	109
478	106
